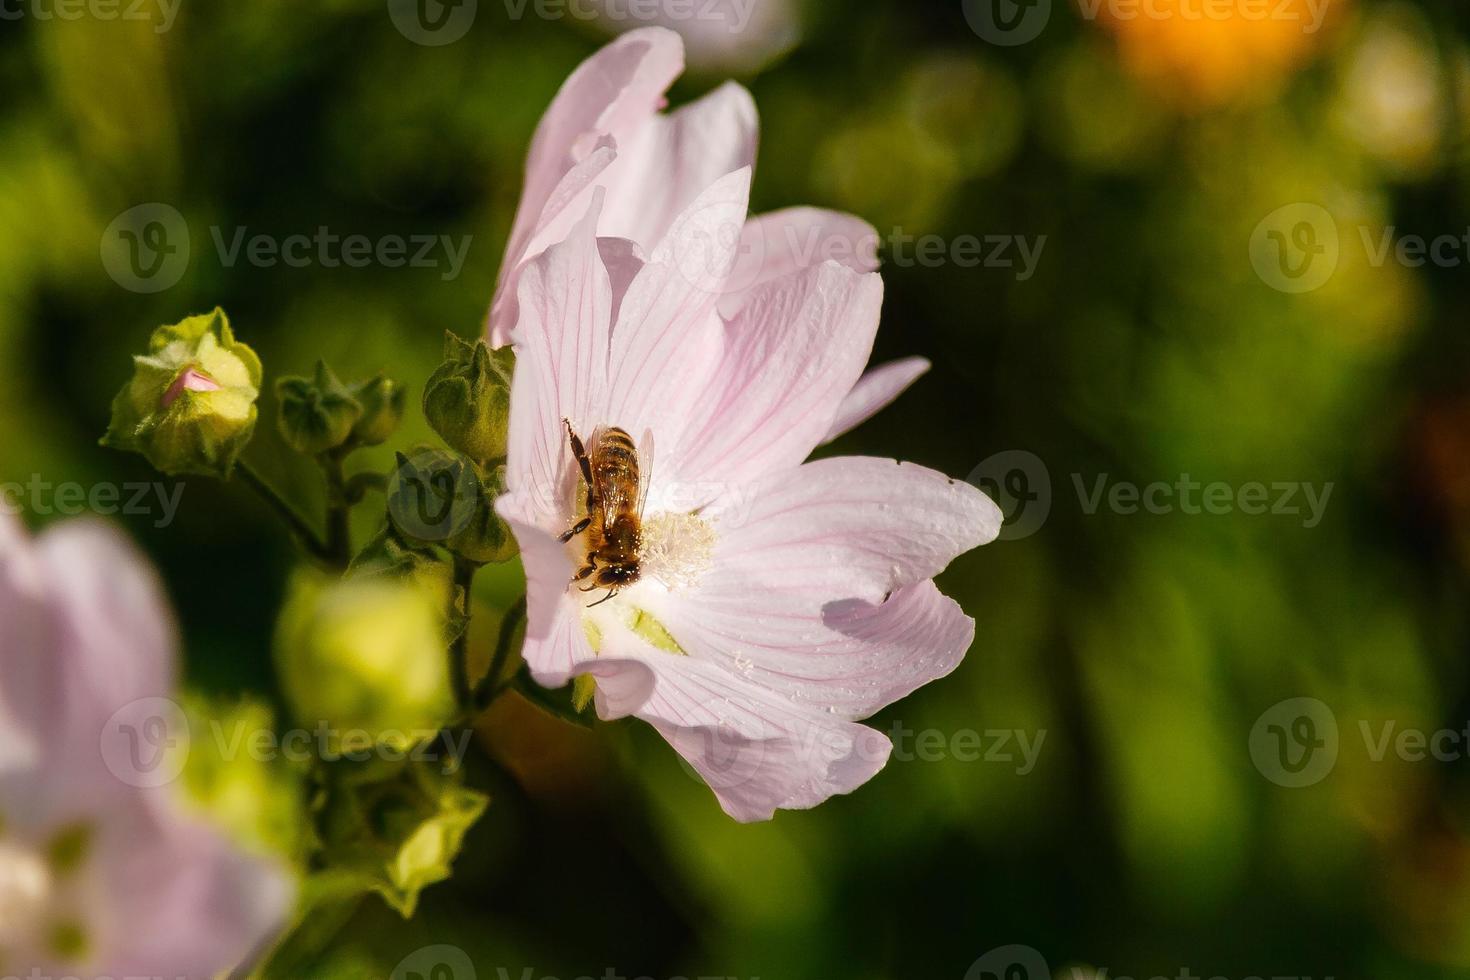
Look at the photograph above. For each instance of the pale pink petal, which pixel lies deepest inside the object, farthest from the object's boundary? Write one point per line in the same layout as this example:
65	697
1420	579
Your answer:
115	634
603	103
561	364
174	899
781	244
555	642
791	355
109	645
851	656
850	528
30	683
667	341
874	392
725	36
669	162
623	260
757	750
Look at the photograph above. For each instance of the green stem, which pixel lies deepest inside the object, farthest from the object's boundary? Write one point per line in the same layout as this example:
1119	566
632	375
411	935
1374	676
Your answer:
541	698
490	686
459	650
339	510
360	485
305	535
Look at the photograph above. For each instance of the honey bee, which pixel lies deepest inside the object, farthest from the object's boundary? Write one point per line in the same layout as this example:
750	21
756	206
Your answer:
617	489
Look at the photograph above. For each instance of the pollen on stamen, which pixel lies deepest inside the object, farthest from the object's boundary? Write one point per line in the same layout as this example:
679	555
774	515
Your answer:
677	548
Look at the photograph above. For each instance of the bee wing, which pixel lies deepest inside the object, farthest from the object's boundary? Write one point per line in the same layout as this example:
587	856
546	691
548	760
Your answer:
645	470
613	498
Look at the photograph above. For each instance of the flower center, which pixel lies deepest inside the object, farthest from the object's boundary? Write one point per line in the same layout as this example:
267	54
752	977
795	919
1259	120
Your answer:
677	549
26	889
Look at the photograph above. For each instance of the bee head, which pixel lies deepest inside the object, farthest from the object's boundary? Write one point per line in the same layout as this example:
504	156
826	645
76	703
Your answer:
613	576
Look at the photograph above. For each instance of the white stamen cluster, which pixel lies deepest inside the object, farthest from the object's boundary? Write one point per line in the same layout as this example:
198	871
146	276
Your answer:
677	548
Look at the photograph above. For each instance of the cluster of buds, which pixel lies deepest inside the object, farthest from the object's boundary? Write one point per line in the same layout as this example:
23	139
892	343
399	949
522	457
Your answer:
448	498
321	415
370	647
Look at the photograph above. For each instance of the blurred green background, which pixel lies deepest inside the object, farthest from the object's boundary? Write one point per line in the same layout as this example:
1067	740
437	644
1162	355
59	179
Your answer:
1145	346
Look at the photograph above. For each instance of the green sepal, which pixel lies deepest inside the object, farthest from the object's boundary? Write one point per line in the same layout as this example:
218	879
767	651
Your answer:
398	834
383	401
467	398
316	415
486	539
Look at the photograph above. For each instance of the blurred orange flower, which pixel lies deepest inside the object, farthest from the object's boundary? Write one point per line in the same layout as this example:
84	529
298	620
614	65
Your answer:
1205	53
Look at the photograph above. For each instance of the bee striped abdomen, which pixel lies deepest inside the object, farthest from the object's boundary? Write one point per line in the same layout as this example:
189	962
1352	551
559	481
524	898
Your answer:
615	460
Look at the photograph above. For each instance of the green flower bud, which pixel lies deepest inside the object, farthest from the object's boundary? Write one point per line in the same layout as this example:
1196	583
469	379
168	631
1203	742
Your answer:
389	555
382	400
190	406
486	539
368	657
318	415
399	833
467	399
256	798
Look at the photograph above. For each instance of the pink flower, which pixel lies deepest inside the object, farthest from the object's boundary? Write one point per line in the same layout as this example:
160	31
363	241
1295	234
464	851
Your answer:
778	601
102	870
604	130
725	35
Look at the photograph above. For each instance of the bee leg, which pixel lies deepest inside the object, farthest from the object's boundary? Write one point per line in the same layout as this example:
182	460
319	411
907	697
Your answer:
579	453
585	573
575	530
610	594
